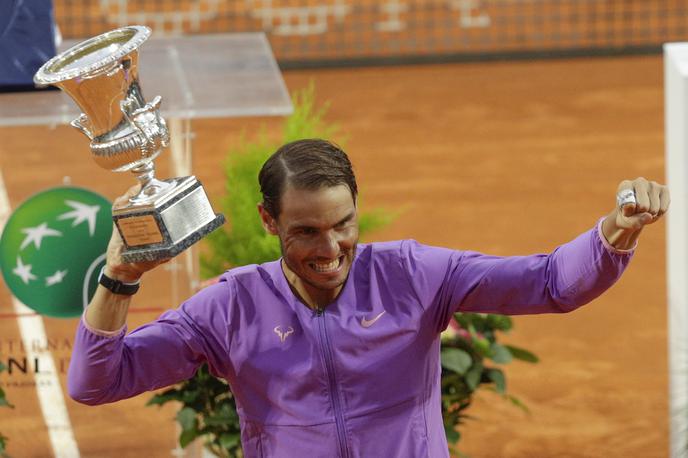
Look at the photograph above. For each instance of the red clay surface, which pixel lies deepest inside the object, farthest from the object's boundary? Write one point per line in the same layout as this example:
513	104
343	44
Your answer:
504	158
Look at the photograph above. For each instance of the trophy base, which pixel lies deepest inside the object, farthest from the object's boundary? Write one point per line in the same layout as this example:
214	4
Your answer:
166	224
165	252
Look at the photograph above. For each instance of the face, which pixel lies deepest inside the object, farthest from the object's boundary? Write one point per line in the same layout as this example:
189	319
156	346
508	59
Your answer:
318	232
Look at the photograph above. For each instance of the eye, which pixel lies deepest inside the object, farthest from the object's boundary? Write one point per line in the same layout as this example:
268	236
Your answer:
309	231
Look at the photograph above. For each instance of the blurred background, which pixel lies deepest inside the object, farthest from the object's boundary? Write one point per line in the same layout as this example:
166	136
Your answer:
316	33
502	126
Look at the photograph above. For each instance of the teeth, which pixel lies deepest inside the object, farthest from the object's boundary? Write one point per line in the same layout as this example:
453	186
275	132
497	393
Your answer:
327	267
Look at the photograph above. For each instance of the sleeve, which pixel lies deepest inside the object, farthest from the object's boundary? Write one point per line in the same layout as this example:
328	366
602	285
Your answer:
447	281
106	367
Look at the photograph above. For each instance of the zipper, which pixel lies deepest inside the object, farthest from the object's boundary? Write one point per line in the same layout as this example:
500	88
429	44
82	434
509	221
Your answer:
334	392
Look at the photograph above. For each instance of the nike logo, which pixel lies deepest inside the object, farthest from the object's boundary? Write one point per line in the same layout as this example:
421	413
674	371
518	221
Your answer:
368	323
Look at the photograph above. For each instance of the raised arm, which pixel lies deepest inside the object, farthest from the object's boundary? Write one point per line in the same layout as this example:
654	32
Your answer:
107	310
575	273
108	365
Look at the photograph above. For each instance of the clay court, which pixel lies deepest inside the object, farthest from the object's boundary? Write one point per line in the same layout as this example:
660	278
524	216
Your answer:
504	157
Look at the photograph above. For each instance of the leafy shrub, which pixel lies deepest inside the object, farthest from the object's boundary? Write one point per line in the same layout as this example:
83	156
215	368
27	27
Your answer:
467	346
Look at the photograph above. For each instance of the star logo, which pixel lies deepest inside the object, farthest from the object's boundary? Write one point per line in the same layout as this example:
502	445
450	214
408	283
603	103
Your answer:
47	260
23	271
36	234
55	278
82	212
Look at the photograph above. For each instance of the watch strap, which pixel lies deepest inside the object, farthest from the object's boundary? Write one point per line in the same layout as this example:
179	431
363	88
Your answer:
116	286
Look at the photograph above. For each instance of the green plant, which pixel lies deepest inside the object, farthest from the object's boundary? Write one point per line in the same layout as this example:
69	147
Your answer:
208	407
208	410
3	403
467	345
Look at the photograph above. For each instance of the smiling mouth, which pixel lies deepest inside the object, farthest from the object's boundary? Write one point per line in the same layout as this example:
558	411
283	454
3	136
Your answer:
327	267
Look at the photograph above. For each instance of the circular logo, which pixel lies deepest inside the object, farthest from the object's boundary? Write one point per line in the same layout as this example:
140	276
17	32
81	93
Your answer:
53	247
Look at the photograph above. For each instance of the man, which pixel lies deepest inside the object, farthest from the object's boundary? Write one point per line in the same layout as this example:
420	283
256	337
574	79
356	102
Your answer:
333	350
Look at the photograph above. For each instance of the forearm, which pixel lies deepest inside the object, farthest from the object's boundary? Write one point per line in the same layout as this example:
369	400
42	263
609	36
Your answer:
621	238
107	366
572	275
107	310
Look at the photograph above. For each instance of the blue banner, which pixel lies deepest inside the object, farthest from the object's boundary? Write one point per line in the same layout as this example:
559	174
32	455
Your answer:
27	41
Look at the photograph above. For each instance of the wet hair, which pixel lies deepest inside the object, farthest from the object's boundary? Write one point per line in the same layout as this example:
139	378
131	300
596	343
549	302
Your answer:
305	164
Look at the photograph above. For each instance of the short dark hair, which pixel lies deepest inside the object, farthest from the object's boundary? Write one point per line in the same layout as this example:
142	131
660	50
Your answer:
304	164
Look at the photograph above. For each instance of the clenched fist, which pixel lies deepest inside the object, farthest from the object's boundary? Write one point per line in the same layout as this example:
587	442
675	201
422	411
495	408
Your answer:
639	202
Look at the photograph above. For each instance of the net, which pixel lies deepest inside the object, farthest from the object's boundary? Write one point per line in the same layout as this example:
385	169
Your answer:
308	32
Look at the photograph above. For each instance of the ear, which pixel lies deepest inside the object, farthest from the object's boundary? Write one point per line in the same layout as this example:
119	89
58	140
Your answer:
268	221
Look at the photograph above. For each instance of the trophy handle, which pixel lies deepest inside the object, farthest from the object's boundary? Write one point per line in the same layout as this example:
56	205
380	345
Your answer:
148	122
153	131
80	123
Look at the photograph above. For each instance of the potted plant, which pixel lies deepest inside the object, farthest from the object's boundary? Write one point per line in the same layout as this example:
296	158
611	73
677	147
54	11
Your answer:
470	357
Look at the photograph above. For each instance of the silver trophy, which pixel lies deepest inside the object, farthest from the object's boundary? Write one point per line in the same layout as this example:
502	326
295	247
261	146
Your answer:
127	134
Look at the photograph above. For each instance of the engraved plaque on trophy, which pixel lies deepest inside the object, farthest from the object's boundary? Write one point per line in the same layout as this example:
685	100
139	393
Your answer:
127	134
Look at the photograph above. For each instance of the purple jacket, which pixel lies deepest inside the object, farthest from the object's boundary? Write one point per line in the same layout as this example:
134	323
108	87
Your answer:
361	379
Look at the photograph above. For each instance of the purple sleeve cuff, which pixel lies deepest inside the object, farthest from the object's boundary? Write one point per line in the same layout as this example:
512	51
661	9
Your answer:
608	246
100	332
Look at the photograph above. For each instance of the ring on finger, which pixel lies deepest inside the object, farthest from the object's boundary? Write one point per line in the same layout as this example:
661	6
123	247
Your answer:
625	197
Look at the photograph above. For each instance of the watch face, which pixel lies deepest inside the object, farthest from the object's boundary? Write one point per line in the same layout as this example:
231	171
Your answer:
53	247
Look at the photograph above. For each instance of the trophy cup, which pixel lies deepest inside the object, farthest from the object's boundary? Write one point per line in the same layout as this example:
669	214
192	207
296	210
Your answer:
127	134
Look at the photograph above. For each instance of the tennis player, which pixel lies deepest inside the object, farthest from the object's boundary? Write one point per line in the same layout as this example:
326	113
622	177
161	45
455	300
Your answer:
333	350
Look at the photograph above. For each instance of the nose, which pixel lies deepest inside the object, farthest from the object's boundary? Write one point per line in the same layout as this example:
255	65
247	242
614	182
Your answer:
329	245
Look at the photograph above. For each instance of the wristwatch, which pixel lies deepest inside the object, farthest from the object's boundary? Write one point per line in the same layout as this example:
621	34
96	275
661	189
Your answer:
116	286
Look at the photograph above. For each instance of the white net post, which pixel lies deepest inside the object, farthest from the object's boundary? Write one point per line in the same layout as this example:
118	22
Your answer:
676	144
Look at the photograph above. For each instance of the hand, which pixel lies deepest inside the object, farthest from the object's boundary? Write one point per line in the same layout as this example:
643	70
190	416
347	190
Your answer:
115	267
652	202
622	226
